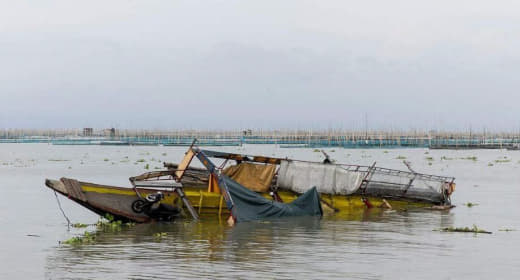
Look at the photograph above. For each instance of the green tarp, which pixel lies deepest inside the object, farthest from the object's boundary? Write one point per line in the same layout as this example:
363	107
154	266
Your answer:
248	205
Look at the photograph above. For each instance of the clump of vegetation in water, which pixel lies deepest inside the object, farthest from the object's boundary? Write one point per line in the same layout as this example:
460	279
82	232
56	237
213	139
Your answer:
157	167
164	154
426	153
316	150
51	159
490	164
385	152
124	160
470	204
473	229
108	223
147	166
473	158
507	229
158	236
106	159
79	225
446	158
141	160
400	157
502	160
86	238
429	158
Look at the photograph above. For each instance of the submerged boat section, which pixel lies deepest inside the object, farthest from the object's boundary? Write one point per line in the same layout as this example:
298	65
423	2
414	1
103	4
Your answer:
243	187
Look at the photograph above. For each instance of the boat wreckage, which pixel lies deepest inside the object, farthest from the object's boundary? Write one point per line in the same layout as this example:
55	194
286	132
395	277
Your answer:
247	188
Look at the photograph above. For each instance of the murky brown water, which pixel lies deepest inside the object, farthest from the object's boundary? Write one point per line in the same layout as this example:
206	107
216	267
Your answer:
367	244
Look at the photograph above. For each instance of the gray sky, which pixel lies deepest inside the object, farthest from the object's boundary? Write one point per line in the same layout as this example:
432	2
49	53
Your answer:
260	64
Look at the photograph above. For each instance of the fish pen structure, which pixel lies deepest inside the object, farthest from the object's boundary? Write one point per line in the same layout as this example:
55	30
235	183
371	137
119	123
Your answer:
284	138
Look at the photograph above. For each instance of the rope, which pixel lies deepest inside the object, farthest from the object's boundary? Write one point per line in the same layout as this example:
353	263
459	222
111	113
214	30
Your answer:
63	212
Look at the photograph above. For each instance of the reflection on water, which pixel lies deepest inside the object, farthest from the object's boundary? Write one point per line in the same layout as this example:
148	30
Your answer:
273	248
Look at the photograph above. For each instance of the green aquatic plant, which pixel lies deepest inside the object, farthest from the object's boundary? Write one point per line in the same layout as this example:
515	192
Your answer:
108	223
147	166
159	235
470	204
507	229
502	160
473	158
316	150
400	157
52	159
490	164
124	160
164	154
79	225
429	158
385	152
473	229
86	238
446	158
141	160
426	153
105	159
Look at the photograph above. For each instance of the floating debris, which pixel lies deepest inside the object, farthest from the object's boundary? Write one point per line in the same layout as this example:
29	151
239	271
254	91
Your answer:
473	229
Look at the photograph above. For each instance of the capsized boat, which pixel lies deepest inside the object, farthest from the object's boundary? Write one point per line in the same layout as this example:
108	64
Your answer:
254	187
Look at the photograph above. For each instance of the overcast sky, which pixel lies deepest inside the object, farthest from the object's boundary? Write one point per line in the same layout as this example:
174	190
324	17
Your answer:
260	64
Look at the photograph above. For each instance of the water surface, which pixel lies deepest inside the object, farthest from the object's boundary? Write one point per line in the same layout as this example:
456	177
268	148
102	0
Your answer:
371	244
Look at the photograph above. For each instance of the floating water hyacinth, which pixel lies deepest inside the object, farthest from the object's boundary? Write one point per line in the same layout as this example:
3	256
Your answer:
470	204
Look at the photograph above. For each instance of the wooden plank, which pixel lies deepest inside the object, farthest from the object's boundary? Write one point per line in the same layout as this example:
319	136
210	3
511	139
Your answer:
74	189
184	164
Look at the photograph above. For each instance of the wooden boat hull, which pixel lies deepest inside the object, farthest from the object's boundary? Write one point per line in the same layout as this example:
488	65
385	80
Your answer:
117	201
103	199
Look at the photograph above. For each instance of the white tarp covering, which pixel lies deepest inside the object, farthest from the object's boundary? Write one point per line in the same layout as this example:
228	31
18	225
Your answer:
327	178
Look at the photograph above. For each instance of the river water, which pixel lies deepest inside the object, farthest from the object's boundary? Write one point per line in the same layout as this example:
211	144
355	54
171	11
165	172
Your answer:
372	244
